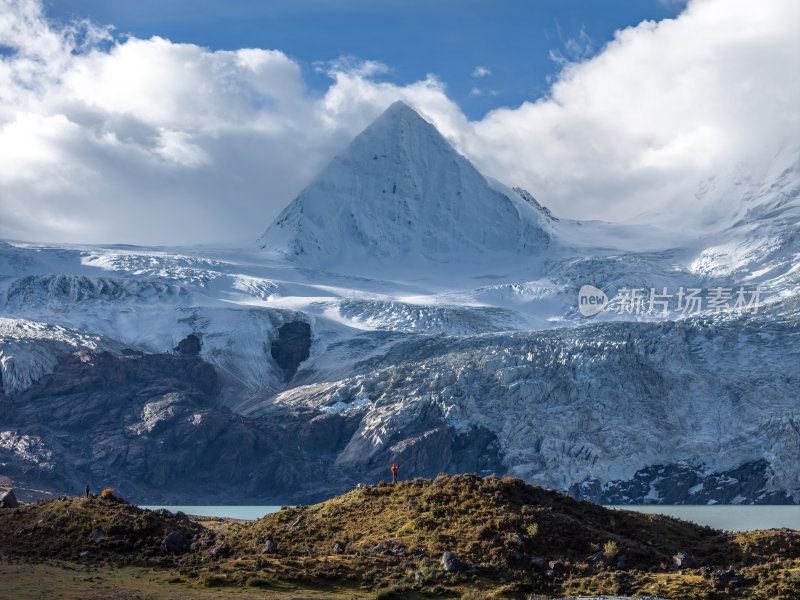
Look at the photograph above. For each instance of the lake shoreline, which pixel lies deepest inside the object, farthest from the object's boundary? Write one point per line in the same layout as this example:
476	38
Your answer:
725	517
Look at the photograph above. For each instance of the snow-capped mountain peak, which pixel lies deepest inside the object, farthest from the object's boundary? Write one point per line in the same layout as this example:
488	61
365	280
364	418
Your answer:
400	191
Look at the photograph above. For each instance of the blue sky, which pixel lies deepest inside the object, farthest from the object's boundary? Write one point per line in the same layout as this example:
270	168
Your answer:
520	43
613	110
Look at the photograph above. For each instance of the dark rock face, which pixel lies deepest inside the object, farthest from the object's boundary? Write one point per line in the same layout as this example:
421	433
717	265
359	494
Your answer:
8	500
151	428
291	347
189	346
684	484
430	448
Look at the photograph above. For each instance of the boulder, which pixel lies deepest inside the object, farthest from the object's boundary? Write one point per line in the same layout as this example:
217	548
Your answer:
556	565
450	563
8	500
598	558
684	560
173	542
539	561
727	577
270	547
338	548
181	516
98	537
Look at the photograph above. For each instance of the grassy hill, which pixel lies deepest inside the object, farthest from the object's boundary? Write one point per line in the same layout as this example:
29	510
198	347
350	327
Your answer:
507	538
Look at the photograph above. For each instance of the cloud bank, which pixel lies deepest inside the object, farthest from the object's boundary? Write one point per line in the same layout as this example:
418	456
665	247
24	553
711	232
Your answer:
109	139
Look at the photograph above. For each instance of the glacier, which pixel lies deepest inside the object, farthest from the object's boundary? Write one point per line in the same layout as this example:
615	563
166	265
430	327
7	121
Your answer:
443	334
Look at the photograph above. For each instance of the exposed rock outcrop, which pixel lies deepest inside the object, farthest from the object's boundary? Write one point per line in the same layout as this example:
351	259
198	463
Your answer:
8	499
291	347
189	346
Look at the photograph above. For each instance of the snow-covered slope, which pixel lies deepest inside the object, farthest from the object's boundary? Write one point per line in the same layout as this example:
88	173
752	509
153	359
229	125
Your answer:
444	331
400	192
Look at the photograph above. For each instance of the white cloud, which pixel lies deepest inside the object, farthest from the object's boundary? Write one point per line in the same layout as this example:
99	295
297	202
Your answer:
148	141
481	72
662	107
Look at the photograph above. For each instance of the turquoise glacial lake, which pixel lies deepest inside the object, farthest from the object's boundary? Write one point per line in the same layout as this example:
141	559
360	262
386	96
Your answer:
726	517
248	513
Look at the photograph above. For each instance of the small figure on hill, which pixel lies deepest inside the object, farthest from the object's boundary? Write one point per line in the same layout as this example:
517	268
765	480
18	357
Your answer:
87	490
394	473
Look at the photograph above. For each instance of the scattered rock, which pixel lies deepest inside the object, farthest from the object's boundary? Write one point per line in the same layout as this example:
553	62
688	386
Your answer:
550	573
8	500
450	563
727	577
173	542
539	561
98	537
683	560
598	558
220	550
556	565
270	547
622	561
85	553
338	548
71	514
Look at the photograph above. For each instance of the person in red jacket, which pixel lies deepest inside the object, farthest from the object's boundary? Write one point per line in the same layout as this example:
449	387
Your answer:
394	473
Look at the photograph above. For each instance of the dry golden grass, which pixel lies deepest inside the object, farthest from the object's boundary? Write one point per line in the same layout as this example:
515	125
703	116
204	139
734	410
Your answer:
387	541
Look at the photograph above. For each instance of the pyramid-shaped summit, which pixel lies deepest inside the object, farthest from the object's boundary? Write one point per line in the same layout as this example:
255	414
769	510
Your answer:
400	191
